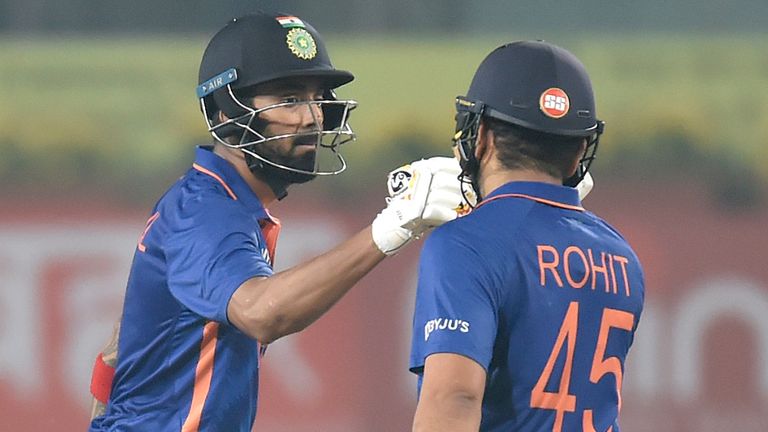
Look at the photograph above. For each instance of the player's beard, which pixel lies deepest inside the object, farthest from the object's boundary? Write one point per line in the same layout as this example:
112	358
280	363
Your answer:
304	161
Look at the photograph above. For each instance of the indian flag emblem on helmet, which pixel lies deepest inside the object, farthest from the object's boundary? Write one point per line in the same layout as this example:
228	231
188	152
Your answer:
301	43
289	21
554	103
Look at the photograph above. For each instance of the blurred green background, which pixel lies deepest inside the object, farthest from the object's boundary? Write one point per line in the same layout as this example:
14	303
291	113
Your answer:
117	115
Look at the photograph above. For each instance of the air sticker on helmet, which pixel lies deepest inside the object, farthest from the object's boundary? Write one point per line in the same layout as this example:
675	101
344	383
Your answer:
301	43
554	103
227	77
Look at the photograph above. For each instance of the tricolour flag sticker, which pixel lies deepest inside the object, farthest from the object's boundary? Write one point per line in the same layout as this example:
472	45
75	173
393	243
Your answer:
290	22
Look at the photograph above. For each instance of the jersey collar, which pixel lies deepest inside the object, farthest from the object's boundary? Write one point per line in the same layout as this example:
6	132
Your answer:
545	193
209	163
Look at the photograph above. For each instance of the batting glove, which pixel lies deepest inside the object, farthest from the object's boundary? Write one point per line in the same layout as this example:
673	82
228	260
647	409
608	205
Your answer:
422	195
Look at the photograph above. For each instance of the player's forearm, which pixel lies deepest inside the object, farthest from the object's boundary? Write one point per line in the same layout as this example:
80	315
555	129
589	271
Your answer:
452	412
287	302
299	296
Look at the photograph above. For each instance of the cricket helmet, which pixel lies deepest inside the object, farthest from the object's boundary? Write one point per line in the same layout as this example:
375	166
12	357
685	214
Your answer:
533	85
260	48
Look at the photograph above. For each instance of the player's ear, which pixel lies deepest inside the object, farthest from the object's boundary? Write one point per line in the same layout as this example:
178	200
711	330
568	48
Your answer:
484	142
577	159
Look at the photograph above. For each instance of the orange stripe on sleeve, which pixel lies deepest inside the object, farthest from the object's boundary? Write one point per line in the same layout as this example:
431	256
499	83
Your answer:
214	175
203	377
151	220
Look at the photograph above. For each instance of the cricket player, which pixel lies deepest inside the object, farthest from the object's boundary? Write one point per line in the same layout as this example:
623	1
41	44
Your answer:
202	300
526	307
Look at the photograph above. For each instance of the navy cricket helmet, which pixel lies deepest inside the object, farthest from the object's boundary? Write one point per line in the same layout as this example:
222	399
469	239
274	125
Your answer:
260	48
533	85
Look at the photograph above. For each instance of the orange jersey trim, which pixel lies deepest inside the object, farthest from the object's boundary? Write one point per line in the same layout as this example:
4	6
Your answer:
203	377
533	198
151	220
216	176
270	229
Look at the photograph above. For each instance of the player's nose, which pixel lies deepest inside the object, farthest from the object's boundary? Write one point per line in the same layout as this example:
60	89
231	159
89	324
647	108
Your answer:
312	116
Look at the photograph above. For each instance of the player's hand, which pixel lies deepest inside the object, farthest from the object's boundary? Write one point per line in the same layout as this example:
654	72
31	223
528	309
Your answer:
422	195
585	186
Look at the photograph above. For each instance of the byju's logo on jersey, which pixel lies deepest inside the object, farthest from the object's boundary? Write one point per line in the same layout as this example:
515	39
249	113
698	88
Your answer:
399	181
554	103
445	324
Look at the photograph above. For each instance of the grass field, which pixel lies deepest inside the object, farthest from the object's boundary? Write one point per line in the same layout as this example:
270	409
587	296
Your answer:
124	108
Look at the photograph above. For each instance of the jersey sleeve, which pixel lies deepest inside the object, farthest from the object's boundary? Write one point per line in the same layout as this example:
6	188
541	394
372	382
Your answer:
210	255
456	302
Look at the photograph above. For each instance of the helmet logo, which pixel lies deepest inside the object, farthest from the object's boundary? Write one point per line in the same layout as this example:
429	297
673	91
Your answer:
554	103
301	43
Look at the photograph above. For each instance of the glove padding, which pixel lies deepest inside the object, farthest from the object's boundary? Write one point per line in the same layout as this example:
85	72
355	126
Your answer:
585	186
423	195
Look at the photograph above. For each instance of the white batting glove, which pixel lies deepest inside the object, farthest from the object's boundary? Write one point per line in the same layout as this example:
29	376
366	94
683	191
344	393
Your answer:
423	195
585	186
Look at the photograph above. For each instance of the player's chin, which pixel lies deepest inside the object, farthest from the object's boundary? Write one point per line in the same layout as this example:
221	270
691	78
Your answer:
306	164
303	158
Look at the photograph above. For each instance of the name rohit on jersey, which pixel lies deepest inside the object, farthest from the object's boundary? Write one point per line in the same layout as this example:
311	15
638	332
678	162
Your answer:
578	267
445	324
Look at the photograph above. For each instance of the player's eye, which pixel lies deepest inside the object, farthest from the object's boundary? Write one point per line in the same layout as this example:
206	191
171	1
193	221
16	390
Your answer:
290	99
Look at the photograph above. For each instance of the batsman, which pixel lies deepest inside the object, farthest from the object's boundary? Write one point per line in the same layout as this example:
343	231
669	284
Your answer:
202	300
526	308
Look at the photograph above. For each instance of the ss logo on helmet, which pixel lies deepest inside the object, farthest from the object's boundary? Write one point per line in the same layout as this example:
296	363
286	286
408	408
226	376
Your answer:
554	103
399	181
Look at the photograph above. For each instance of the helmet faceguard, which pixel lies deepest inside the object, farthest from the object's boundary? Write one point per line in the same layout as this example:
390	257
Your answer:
246	131
588	157
468	115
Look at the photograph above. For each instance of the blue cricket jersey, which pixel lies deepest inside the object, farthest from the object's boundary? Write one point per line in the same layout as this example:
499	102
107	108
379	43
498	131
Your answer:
182	366
542	294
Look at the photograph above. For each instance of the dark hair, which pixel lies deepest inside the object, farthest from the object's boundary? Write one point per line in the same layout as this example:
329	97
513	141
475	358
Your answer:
525	148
